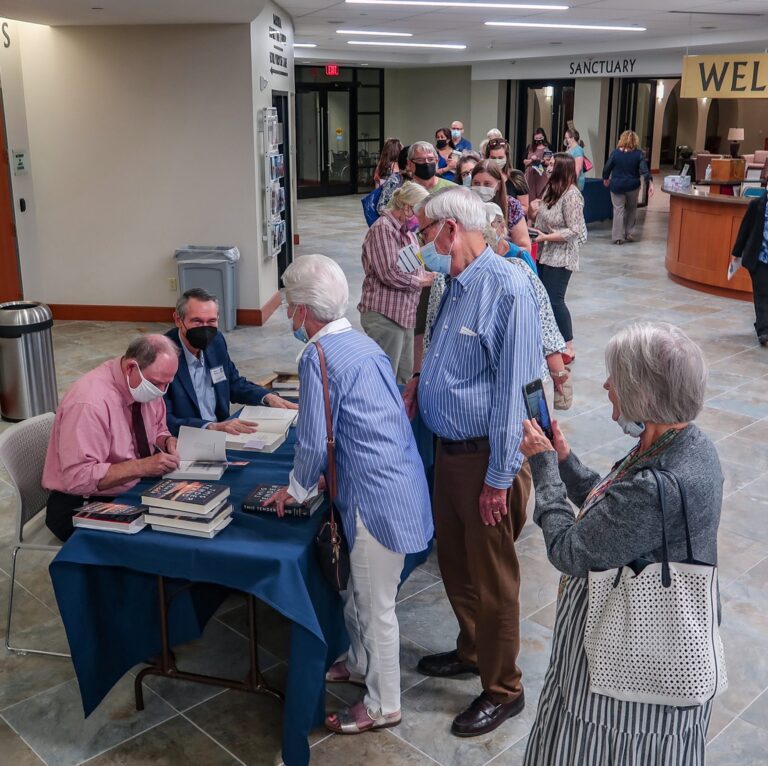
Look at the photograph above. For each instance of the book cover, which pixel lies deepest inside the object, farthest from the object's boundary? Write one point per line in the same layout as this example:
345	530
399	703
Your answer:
194	532
256	500
193	496
113	517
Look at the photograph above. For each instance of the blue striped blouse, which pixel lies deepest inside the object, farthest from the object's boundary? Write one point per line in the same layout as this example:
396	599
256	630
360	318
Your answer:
486	343
379	472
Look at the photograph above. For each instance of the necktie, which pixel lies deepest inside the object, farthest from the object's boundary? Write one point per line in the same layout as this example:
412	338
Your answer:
139	432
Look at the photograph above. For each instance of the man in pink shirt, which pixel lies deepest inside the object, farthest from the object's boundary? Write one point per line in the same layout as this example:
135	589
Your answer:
110	431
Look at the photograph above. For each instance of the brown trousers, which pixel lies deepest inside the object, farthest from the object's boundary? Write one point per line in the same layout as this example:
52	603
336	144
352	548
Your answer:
480	570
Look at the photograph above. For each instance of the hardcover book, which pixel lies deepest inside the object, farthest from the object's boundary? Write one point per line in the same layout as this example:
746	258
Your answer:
158	517
194	532
257	498
186	496
114	517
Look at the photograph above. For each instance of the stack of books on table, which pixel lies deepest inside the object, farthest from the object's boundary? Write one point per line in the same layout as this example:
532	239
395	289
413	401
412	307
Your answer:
112	517
286	384
195	508
272	424
256	502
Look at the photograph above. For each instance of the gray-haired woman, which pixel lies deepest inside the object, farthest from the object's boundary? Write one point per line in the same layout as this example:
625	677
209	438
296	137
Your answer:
656	382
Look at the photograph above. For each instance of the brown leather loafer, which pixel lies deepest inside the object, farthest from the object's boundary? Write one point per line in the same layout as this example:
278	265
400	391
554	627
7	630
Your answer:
484	715
445	665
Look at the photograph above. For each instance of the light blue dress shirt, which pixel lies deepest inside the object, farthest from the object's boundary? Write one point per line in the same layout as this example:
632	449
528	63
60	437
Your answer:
202	383
486	344
379	472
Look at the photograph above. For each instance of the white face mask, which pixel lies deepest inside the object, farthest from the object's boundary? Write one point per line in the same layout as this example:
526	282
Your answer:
486	193
500	161
145	391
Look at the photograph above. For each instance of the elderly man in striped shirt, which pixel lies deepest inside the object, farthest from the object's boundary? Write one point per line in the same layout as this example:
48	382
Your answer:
486	343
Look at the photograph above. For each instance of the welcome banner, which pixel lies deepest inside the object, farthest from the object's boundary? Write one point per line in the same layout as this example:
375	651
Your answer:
739	75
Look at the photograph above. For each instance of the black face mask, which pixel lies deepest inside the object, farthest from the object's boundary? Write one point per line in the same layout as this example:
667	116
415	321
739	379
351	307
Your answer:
441	143
200	337
425	170
538	140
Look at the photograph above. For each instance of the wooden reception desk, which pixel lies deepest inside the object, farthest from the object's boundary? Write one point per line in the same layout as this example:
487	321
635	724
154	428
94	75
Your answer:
702	230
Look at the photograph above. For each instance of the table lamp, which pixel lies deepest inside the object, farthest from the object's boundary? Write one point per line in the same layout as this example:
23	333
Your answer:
735	137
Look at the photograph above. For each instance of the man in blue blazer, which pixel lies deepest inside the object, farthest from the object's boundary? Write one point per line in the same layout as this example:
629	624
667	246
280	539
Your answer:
207	381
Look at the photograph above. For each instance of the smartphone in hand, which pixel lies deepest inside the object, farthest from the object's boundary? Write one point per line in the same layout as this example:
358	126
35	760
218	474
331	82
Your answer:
536	405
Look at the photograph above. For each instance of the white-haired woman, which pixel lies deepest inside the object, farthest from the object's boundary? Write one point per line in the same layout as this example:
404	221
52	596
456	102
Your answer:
554	344
382	493
390	295
656	383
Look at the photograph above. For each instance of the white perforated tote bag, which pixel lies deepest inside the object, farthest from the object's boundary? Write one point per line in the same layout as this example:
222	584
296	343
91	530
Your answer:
652	636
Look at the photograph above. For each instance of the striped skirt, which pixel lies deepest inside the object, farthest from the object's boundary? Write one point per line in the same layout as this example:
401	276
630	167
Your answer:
576	728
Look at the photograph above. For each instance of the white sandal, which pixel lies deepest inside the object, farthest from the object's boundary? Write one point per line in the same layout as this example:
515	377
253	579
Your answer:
357	719
340	674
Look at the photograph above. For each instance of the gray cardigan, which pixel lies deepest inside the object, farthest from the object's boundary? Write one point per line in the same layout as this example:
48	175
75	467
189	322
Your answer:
625	524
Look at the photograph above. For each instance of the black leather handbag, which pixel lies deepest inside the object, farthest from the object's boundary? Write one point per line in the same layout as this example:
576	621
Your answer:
330	543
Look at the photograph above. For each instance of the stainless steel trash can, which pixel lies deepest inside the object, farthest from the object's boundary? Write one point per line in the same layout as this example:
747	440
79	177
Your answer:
27	372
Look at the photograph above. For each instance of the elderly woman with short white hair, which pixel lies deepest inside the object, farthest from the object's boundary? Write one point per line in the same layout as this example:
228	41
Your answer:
656	382
390	295
382	493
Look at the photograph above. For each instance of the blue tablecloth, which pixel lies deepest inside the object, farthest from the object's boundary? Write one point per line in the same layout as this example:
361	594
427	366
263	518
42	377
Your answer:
597	201
111	618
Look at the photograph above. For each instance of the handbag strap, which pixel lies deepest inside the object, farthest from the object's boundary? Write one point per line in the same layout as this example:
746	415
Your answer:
666	577
330	441
683	508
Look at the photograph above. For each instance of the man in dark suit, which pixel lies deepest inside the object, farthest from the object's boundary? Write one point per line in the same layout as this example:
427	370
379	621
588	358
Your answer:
752	247
207	380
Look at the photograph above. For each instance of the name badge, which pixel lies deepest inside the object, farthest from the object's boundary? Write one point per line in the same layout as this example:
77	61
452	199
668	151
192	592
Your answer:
217	374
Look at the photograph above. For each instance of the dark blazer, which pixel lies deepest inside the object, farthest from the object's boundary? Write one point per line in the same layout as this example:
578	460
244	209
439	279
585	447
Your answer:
749	240
182	408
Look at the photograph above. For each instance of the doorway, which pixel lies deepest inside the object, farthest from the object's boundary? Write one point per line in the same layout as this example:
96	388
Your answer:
637	107
322	122
285	255
546	104
10	273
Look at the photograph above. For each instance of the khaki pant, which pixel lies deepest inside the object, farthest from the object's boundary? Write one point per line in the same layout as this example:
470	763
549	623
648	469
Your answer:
480	570
624	214
395	341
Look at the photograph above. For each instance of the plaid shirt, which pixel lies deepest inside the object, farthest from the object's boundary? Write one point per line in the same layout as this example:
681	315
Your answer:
386	289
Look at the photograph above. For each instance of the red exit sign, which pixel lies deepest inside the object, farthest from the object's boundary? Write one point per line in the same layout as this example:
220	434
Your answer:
332	70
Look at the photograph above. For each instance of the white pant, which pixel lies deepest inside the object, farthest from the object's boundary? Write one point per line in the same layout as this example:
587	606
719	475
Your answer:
369	613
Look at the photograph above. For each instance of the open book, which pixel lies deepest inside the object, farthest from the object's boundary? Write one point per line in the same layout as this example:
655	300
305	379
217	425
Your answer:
272	428
202	455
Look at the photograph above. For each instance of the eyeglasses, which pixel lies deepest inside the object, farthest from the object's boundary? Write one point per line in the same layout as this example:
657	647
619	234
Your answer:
495	143
421	232
423	160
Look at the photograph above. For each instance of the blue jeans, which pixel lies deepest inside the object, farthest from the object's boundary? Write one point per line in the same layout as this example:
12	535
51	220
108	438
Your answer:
555	280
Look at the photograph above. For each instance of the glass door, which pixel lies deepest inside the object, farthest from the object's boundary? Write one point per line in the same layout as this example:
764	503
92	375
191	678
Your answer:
324	158
637	107
547	105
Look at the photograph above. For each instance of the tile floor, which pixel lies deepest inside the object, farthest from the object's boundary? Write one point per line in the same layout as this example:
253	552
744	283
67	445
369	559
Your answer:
40	713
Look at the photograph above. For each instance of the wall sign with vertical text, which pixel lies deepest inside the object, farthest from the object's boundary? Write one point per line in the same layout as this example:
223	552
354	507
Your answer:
278	59
738	75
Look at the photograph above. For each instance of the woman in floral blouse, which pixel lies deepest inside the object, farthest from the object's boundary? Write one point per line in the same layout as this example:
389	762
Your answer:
560	231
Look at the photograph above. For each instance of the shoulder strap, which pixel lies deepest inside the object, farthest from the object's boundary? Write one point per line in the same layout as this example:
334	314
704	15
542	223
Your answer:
666	578
330	441
683	508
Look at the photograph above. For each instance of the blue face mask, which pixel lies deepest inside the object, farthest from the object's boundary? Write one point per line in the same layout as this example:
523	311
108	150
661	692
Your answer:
435	261
301	333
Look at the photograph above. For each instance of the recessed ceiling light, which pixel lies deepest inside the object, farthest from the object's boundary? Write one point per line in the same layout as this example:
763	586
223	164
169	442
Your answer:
542	25
709	27
460	4
451	46
305	45
376	34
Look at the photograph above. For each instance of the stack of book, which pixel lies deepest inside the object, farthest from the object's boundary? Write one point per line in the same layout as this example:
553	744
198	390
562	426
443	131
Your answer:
272	424
256	502
195	508
112	517
286	384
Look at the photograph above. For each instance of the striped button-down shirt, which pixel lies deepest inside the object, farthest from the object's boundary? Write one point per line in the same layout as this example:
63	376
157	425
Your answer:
386	289
486	344
379	472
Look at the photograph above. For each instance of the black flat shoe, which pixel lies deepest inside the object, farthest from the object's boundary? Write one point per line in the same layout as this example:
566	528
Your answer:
762	340
445	665
484	715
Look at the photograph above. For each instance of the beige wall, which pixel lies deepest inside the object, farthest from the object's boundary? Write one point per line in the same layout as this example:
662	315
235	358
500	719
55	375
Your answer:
11	84
419	101
141	140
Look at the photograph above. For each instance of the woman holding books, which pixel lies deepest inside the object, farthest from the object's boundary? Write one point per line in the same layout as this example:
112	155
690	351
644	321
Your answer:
382	493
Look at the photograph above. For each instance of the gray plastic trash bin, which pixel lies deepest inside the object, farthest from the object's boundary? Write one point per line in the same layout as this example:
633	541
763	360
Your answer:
27	372
213	269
